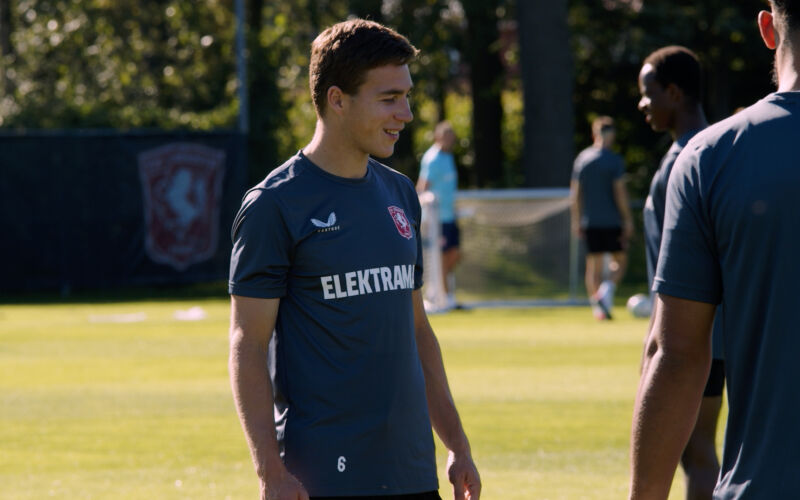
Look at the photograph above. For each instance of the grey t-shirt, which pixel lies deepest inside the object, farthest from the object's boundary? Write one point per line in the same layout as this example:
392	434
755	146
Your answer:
731	236
343	256
596	169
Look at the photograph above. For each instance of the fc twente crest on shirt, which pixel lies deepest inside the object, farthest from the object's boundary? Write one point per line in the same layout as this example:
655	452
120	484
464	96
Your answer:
400	221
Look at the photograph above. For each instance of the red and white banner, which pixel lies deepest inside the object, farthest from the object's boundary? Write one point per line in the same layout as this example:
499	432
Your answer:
182	190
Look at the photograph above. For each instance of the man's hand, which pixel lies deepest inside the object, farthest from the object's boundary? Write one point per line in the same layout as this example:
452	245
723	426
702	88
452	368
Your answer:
283	487
461	471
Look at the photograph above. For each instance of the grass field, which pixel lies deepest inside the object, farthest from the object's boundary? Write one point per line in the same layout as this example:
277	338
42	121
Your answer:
91	407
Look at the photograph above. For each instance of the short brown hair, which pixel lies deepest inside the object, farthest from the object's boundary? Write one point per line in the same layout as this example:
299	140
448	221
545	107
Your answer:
342	54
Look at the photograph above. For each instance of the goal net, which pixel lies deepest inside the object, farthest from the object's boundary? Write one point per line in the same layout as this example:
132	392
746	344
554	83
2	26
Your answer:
516	249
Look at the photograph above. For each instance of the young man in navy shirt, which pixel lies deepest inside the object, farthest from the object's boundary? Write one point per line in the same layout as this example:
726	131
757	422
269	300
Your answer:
340	400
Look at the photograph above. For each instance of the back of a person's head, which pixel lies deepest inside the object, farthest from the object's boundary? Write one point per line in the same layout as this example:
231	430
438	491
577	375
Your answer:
441	129
342	54
789	10
602	125
679	66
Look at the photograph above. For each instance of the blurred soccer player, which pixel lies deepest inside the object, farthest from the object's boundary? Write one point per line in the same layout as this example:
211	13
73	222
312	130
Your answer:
327	253
730	237
601	215
670	83
438	174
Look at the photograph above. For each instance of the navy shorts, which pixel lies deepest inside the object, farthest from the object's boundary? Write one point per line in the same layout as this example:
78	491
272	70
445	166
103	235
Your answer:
429	495
716	379
450	236
603	239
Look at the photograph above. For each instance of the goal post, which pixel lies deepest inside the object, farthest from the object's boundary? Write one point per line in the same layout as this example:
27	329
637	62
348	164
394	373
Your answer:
517	249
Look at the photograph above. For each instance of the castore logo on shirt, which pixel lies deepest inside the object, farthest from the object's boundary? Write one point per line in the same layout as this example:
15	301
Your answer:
328	226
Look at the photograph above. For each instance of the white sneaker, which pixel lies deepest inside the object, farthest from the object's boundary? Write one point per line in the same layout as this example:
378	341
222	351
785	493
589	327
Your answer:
605	295
599	311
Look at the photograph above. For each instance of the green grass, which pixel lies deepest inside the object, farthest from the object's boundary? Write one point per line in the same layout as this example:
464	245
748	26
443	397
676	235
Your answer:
143	410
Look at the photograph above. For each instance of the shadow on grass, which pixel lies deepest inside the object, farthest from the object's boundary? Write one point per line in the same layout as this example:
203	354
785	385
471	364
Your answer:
196	291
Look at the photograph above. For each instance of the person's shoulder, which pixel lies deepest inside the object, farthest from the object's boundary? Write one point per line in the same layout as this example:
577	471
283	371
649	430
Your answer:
767	112
431	155
283	176
388	174
274	185
587	155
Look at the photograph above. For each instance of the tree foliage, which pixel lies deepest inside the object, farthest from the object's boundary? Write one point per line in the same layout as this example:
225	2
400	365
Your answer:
171	64
611	38
122	64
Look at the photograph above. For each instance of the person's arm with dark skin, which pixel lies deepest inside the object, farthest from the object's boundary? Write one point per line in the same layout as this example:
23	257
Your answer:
624	208
461	470
252	323
675	368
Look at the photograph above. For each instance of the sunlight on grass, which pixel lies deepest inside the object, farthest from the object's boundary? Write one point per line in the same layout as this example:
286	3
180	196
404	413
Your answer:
91	408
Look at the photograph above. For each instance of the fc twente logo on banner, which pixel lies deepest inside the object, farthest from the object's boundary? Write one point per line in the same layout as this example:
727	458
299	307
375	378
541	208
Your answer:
182	190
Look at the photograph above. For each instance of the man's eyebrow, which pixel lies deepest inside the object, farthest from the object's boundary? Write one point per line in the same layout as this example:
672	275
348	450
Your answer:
396	91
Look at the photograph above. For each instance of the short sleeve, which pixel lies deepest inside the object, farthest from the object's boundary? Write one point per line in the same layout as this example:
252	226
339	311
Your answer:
425	167
262	246
688	265
577	166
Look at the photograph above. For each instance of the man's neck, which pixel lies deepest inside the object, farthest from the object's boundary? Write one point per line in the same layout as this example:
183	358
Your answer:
694	119
787	65
335	154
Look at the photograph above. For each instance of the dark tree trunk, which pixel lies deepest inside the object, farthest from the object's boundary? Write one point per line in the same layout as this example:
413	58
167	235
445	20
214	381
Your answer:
486	78
265	101
546	63
5	42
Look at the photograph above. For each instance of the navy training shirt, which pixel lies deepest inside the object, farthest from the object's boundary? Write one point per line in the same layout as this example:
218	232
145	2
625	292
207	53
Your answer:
731	236
343	256
596	169
653	215
653	212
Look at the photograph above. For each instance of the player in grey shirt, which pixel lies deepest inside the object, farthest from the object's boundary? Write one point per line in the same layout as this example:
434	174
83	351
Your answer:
327	253
601	214
730	237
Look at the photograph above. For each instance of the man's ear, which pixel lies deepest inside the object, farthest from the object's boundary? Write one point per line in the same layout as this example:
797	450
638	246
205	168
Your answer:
675	93
336	99
766	26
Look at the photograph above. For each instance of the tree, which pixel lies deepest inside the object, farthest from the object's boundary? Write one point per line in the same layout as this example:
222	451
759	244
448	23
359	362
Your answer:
486	78
547	77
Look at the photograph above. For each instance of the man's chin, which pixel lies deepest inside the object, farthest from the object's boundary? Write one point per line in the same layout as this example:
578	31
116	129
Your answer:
382	154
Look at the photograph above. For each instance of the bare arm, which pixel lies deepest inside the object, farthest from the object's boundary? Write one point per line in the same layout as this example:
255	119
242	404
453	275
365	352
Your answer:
674	372
623	205
252	323
422	185
461	469
576	207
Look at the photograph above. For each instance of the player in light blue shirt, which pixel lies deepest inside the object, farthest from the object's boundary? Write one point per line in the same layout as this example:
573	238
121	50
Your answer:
438	174
730	237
